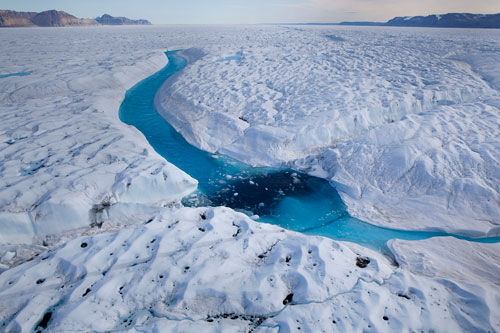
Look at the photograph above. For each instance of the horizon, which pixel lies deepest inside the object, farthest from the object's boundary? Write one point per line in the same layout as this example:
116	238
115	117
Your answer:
257	23
257	12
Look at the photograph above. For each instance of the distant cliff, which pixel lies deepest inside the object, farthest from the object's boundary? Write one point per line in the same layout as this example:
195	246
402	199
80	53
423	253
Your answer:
10	18
110	20
452	20
49	18
54	18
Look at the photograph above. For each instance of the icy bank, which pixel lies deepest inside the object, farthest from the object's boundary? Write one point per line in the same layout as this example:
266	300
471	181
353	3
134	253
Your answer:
65	156
435	170
404	122
212	269
278	101
450	258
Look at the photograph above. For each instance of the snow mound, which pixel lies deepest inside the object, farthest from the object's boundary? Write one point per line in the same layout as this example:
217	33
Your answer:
285	100
437	170
404	122
213	268
64	154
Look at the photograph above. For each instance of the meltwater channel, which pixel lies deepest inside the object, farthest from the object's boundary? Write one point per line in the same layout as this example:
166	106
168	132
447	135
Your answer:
290	199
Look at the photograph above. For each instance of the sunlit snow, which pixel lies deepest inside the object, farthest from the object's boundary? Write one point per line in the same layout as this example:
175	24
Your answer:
403	122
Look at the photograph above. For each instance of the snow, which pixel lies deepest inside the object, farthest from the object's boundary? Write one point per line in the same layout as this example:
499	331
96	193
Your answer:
450	258
258	111
63	150
404	122
437	170
213	268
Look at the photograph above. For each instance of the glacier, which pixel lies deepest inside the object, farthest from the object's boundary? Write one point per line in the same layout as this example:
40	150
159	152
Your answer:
73	156
366	114
214	269
403	122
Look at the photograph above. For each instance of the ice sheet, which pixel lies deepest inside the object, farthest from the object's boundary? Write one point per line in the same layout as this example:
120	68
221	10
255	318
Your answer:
64	154
213	269
403	121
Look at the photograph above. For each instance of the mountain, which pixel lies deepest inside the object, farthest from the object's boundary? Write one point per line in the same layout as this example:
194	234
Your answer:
110	20
49	18
54	18
451	20
10	18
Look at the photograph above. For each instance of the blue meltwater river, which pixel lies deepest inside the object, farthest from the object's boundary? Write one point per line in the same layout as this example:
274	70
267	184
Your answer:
287	198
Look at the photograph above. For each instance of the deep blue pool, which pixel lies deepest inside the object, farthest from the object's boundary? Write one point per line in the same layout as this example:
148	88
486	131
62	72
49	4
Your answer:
287	198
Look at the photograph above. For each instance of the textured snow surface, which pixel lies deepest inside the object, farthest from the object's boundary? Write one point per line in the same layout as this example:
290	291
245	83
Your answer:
405	122
435	170
289	92
449	258
64	154
212	268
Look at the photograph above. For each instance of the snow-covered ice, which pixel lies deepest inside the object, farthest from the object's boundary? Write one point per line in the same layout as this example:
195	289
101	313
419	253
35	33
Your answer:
434	170
209	268
404	122
350	81
450	258
65	156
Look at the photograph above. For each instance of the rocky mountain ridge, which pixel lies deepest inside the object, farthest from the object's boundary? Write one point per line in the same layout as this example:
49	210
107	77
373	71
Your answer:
54	18
450	20
107	19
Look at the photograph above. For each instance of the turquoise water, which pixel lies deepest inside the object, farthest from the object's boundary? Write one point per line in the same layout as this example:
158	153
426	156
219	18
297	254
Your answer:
236	57
14	74
290	199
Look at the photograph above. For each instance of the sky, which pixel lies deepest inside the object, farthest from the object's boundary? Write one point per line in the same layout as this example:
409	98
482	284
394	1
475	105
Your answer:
255	11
